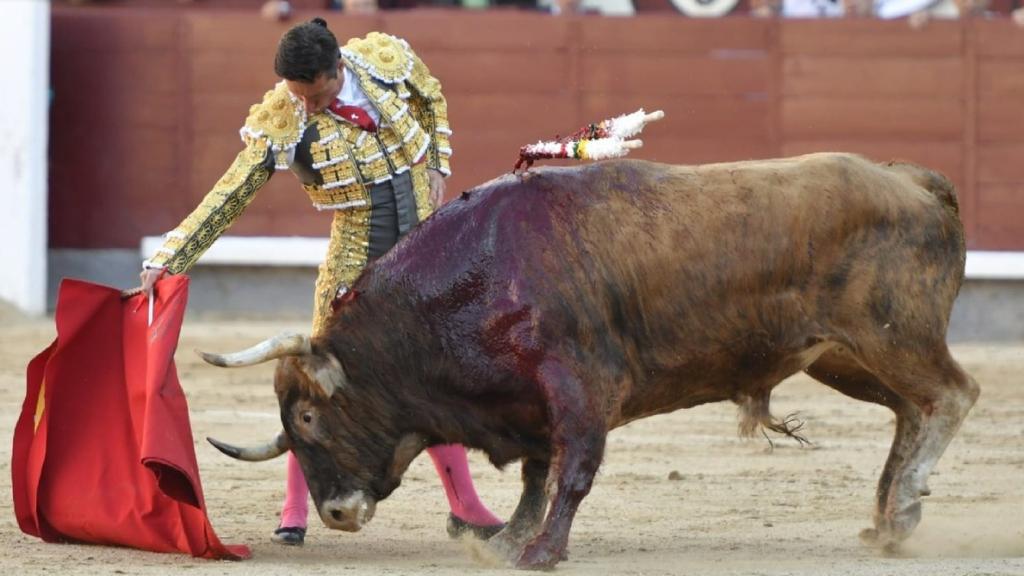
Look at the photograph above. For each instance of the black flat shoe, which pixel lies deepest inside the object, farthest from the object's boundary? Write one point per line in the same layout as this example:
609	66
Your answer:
289	536
457	527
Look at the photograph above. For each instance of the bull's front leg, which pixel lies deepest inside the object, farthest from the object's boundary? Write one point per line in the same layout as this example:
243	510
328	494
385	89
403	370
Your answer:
577	446
527	518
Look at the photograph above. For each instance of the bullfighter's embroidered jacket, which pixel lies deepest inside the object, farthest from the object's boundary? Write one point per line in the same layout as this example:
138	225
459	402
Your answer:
336	161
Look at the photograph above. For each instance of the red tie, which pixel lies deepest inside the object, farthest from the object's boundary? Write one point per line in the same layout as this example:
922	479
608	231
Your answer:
355	115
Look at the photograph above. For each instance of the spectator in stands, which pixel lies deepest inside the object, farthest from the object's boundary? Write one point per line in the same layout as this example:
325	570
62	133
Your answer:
920	12
797	8
276	10
566	6
371	6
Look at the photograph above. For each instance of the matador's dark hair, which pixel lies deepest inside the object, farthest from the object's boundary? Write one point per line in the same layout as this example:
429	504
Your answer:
306	51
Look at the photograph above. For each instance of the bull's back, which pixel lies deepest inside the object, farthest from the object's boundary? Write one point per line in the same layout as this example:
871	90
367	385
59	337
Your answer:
765	225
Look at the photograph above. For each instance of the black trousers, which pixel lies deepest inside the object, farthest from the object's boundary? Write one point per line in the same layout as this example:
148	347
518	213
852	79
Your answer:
392	215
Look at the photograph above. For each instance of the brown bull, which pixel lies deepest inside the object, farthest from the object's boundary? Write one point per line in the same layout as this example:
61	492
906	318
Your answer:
536	313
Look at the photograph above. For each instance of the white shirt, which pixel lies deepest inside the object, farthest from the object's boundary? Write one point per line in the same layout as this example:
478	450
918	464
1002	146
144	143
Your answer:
352	95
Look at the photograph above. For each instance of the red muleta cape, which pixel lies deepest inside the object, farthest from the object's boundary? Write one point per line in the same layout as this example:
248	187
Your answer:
103	449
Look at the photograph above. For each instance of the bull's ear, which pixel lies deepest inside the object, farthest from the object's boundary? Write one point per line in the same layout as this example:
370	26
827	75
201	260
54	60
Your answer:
408	448
325	370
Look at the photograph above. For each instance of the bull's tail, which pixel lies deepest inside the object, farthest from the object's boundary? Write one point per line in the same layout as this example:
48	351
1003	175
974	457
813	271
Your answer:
930	180
755	415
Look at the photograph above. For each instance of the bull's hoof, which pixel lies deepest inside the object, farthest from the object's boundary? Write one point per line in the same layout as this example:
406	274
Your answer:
457	527
893	550
891	530
882	538
902	523
870	536
538	556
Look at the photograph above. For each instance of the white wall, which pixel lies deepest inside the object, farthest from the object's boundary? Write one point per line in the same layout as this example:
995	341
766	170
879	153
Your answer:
24	103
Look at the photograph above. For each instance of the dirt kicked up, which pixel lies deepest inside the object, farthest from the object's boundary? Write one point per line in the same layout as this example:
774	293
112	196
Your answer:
677	494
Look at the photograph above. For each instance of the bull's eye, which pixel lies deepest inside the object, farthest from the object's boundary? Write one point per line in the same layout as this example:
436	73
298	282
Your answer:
307	417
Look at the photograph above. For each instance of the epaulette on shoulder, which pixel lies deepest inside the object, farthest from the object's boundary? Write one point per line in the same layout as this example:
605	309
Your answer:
423	81
387	58
280	118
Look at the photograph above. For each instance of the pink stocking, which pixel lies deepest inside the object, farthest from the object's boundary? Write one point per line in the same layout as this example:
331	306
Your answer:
296	496
452	467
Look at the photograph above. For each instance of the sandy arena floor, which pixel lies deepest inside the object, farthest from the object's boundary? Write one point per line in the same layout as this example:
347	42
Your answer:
732	507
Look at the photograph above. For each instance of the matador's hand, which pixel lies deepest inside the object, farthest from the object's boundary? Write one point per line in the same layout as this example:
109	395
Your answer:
149	278
436	187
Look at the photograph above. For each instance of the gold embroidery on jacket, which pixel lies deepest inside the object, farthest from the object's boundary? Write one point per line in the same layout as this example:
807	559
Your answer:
347	253
280	118
219	208
349	159
387	58
431	111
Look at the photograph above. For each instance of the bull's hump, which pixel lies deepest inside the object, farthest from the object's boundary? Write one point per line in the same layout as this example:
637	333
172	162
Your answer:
566	178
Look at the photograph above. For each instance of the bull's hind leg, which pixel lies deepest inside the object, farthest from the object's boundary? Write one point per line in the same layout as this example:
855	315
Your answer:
944	394
839	370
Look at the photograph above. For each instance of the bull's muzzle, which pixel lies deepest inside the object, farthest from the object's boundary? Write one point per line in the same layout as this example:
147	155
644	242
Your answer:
348	513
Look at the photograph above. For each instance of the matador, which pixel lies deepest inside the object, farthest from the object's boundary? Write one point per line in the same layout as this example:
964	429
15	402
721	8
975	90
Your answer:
364	127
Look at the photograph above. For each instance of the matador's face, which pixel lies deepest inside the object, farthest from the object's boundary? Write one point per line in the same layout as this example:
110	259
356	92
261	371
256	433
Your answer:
316	96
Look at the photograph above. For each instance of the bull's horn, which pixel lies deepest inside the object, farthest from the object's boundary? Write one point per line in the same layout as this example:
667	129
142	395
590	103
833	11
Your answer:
272	449
285	344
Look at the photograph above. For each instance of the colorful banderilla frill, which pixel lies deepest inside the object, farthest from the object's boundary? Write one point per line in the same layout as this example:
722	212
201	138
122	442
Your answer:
606	139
